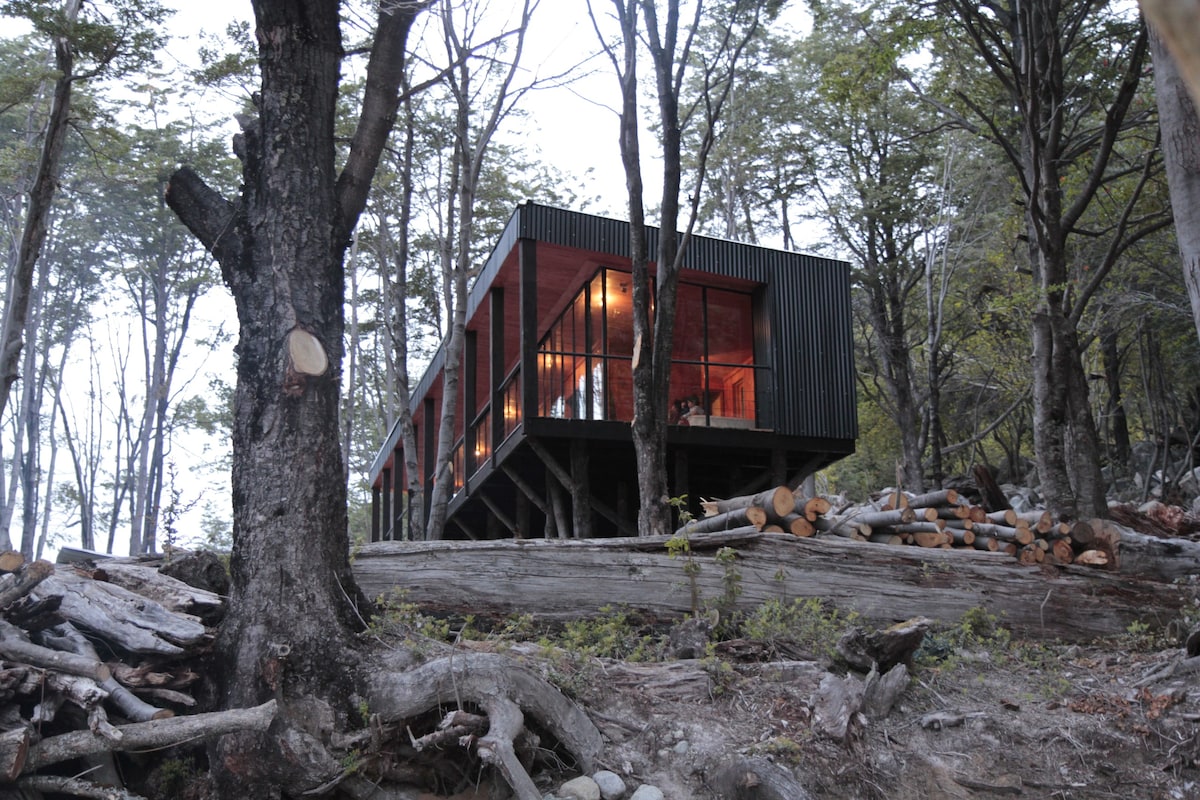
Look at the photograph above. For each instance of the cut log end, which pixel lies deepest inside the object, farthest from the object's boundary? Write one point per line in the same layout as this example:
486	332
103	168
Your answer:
306	353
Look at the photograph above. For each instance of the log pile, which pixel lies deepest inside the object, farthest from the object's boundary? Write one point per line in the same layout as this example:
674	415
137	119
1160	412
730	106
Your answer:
94	660
941	519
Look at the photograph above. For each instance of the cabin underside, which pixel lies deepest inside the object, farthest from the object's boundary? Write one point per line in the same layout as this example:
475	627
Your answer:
578	479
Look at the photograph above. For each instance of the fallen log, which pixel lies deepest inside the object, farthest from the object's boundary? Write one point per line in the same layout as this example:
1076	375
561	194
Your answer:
1153	557
797	525
570	579
812	507
942	497
847	527
14	646
733	519
136	623
171	593
777	502
153	734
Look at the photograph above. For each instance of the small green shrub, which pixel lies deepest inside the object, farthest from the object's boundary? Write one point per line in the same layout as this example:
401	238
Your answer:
806	625
614	634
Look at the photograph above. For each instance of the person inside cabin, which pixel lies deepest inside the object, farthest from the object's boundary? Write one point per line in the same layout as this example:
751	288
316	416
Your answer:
692	408
676	411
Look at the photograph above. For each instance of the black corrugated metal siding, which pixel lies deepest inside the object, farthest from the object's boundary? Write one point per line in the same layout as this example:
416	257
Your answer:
807	302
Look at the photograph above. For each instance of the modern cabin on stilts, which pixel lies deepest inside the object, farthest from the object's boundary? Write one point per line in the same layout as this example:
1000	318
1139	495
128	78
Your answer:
763	350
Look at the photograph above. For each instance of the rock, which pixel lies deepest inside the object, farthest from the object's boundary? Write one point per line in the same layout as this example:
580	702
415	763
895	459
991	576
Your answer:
611	785
647	792
681	747
581	788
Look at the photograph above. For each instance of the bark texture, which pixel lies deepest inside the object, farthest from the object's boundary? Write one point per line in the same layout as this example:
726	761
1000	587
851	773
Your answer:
281	247
1181	155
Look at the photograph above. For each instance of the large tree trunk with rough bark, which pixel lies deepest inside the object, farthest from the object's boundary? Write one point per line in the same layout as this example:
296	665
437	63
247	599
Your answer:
281	247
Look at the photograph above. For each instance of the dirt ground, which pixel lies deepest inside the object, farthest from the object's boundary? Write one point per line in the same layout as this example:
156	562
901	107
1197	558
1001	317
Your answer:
987	718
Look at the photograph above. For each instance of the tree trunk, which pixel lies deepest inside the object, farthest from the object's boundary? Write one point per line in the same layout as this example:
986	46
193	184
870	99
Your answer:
1181	155
281	248
33	234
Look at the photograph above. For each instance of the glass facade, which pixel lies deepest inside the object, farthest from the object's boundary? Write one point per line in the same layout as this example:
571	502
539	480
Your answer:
585	359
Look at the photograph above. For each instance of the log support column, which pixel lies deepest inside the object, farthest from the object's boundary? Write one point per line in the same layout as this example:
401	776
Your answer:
581	498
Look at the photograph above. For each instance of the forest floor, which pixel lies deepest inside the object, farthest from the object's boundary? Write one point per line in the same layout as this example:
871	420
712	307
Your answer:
983	715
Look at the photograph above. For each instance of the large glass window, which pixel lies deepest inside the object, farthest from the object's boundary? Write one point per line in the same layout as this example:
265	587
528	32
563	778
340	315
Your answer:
585	359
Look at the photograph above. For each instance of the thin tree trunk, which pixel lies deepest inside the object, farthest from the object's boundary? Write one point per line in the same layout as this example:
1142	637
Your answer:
41	196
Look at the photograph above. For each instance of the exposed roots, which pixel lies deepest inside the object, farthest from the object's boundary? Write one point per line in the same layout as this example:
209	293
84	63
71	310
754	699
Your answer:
502	688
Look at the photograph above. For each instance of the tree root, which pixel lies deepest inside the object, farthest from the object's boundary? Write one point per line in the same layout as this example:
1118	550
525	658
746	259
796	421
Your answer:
505	690
745	778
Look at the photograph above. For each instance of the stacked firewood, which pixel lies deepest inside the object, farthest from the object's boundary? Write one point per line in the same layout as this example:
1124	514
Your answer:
90	648
940	519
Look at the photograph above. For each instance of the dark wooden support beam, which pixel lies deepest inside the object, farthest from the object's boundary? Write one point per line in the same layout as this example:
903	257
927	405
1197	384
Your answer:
564	479
806	472
527	308
681	472
386	476
496	365
470	402
465	528
523	516
561	524
778	466
376	513
581	498
526	490
756	484
498	514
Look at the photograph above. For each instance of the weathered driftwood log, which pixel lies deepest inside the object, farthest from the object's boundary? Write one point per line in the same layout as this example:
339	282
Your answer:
11	560
129	620
157	733
568	579
15	646
23	583
171	593
1152	557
